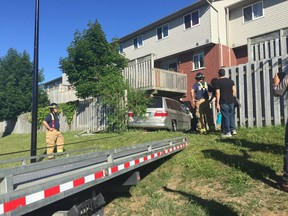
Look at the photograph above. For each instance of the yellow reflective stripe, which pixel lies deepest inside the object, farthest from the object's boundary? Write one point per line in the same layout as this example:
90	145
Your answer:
52	116
53	122
205	85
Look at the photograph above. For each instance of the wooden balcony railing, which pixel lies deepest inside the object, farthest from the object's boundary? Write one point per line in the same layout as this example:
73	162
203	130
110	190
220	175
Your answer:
141	74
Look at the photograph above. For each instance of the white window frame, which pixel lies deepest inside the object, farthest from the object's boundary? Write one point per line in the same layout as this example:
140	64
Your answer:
161	28
252	12
191	20
197	64
139	43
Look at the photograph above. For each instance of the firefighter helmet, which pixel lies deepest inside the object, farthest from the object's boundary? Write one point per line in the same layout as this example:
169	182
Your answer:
199	76
53	106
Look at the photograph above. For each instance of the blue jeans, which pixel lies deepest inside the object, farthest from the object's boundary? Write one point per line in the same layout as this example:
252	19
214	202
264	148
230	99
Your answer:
228	117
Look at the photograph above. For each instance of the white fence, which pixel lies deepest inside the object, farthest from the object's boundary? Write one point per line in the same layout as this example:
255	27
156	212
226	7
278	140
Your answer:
89	116
22	125
254	89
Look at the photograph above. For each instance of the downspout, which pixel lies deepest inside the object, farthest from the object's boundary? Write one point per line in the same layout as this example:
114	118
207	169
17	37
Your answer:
228	35
218	34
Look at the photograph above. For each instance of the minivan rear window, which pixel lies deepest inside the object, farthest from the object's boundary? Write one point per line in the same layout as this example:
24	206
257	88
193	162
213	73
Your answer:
155	103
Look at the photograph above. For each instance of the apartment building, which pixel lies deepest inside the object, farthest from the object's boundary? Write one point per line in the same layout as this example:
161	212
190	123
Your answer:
203	37
257	29
166	55
60	90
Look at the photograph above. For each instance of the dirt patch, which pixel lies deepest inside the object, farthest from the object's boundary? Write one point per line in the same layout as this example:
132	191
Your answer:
138	203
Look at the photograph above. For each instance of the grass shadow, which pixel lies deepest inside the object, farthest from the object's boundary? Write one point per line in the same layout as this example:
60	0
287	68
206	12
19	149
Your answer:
252	146
212	207
254	170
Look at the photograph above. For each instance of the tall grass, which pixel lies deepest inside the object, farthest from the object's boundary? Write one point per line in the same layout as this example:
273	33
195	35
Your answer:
211	176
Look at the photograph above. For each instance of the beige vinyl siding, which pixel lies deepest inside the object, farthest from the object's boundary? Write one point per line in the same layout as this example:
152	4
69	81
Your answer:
275	17
178	40
218	20
214	20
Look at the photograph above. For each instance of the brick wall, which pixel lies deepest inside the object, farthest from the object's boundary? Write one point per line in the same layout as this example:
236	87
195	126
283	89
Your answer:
213	62
225	54
212	65
241	55
233	59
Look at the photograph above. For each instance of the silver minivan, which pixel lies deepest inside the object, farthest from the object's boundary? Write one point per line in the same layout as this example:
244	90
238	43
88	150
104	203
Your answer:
163	113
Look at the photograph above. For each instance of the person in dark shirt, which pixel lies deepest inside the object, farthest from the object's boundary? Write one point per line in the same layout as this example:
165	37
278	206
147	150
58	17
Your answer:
53	134
212	90
225	93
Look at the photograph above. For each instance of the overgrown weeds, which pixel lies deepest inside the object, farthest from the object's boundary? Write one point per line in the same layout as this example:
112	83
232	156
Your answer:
211	176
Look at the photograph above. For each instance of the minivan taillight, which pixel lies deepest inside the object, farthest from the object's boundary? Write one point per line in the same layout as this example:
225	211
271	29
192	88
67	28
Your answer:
159	113
130	114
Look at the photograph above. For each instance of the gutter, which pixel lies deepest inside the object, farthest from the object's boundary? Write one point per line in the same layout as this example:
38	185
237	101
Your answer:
211	5
166	19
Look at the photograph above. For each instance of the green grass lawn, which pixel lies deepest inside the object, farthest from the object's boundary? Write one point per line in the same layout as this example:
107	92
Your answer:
211	176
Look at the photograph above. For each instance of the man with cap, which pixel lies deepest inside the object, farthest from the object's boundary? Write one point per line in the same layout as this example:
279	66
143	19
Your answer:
53	134
201	104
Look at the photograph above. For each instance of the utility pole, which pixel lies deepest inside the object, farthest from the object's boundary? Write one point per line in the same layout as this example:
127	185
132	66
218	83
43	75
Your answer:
35	86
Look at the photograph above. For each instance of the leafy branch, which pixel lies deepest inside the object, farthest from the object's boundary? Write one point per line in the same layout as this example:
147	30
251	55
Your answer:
69	110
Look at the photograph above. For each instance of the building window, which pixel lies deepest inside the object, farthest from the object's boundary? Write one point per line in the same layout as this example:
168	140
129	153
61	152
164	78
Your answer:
162	32
198	61
191	19
170	67
253	12
138	42
121	49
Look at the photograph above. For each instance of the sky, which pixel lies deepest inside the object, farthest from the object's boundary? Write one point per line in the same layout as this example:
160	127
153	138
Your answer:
59	20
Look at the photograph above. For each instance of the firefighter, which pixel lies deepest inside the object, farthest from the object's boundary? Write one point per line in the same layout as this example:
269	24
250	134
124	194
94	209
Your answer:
201	104
53	134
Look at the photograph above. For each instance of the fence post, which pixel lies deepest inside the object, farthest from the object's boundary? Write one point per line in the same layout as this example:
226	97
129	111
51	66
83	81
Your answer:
248	103
267	93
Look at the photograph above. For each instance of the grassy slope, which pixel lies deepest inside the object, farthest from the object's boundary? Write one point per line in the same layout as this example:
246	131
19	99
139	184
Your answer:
210	177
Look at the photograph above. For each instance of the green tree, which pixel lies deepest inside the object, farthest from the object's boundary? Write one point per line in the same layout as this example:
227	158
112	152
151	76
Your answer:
90	57
15	84
94	67
43	100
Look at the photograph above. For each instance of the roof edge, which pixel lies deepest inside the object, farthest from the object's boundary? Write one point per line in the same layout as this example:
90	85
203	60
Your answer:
187	9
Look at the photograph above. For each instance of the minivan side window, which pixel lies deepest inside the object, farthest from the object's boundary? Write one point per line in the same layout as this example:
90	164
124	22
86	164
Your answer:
178	106
171	104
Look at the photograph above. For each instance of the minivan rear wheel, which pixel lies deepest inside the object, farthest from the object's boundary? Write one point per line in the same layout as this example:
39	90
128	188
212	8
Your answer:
173	126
